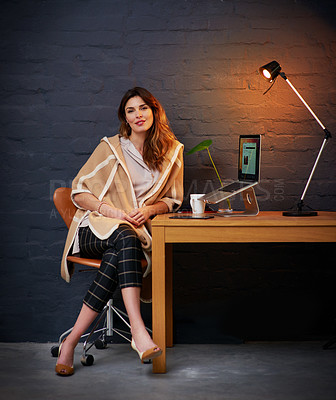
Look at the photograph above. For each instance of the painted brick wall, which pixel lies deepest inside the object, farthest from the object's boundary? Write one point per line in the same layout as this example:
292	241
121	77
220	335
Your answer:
65	65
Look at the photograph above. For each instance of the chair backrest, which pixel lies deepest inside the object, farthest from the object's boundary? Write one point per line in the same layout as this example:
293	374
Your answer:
64	204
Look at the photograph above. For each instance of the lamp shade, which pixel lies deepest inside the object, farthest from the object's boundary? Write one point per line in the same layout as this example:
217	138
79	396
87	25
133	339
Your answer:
270	71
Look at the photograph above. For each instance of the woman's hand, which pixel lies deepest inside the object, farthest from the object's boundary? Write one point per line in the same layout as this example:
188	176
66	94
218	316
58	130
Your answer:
141	215
112	212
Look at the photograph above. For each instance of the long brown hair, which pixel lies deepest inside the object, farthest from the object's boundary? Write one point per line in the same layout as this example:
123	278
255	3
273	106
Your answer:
160	137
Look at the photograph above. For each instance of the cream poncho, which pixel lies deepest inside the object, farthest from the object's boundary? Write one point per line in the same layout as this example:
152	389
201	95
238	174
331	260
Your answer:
106	176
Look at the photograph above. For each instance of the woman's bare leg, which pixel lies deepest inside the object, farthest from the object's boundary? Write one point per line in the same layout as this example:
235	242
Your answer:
84	320
140	335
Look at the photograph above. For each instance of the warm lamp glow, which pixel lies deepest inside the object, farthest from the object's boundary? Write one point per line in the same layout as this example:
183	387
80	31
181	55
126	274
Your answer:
270	71
266	74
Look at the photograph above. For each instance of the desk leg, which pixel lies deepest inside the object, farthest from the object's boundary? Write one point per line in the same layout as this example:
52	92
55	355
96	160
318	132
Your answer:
159	297
169	294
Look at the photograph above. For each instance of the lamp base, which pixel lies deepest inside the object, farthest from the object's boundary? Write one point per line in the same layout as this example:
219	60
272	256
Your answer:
300	213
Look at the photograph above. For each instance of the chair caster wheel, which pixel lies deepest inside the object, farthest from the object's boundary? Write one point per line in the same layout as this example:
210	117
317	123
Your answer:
87	360
54	351
100	344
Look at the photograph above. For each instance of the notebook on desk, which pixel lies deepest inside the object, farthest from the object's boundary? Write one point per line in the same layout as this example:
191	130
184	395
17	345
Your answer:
248	170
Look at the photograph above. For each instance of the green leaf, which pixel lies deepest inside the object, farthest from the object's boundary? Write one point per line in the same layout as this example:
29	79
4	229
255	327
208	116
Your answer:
201	146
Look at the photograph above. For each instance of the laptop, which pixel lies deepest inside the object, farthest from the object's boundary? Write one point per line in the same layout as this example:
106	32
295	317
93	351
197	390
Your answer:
248	170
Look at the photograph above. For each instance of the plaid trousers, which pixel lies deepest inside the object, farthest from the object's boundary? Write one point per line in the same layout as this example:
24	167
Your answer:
121	263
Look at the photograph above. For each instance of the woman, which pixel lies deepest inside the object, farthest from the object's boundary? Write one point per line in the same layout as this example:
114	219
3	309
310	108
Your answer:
129	178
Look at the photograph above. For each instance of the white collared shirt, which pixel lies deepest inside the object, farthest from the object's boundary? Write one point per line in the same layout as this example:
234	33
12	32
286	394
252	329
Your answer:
143	178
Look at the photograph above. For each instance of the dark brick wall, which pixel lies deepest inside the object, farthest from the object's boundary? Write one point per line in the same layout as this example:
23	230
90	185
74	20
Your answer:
64	67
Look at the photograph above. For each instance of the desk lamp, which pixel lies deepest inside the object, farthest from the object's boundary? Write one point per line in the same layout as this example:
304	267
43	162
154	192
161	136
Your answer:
270	72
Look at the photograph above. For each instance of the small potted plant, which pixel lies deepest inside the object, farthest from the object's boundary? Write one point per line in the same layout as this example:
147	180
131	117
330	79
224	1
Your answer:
205	146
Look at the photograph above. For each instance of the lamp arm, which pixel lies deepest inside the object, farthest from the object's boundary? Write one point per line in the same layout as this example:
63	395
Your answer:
326	137
313	169
302	99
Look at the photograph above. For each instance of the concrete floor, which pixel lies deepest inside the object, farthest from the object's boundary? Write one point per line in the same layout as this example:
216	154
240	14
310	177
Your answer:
270	371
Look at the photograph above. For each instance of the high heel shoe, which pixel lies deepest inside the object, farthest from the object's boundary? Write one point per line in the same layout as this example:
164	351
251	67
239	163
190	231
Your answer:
62	369
148	354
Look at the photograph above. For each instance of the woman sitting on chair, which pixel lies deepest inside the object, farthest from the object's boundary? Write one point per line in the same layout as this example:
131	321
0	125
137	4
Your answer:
128	179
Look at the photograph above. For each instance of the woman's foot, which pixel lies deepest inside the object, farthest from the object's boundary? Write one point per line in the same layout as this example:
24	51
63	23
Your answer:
64	365
143	344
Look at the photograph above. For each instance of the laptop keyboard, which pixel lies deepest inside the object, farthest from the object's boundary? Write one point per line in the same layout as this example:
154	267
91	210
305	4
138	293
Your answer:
234	186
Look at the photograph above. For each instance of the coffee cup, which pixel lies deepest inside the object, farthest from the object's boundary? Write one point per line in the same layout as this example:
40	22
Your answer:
197	205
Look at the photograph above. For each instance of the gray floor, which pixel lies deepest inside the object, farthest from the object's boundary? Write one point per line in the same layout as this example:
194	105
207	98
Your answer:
286	371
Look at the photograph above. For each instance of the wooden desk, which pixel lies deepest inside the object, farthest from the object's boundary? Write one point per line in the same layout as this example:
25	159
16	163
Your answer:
263	228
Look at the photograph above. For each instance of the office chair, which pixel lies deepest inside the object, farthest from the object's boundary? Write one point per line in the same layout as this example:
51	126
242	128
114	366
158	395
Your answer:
67	210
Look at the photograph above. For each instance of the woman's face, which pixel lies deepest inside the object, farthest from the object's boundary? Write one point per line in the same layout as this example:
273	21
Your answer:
138	115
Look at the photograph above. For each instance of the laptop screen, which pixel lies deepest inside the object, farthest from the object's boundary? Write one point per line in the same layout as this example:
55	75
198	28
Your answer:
249	158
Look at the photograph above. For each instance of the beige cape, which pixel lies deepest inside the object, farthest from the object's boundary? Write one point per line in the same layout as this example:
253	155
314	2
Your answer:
106	176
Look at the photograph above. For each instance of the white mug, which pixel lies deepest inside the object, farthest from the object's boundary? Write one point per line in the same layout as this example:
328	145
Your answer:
197	205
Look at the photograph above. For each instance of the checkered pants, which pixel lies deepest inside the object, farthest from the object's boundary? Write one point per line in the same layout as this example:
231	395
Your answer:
121	263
